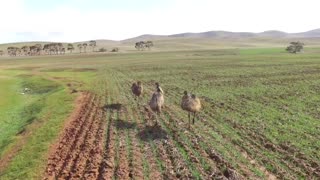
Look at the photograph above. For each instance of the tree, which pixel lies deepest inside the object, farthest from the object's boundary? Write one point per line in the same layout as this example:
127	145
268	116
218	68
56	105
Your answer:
60	48
85	47
295	47
35	50
38	49
93	44
13	51
149	44
46	49
102	50
115	49
63	50
140	45
70	48
1	52
80	47
26	50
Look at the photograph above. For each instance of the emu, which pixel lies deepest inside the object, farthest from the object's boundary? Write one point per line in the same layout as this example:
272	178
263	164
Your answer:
157	101
190	103
137	89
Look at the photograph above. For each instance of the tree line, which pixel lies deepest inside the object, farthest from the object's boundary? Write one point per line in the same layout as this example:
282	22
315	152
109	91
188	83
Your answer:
37	49
47	49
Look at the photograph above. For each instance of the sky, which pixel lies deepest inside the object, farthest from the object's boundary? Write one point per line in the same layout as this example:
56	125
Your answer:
80	20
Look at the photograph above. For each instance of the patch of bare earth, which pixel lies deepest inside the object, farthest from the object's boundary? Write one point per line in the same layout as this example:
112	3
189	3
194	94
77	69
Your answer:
79	150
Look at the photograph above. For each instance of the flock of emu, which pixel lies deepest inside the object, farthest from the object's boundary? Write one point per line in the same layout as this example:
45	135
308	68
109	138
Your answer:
189	102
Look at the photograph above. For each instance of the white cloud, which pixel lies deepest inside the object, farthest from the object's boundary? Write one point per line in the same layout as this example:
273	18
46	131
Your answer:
71	23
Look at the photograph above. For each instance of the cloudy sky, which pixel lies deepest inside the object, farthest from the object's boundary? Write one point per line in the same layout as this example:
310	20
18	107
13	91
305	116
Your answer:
77	20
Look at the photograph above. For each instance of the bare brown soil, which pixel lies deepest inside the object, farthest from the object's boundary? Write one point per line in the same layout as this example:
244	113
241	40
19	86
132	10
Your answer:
79	149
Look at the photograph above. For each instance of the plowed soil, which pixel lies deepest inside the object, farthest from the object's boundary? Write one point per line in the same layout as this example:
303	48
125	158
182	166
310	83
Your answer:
114	136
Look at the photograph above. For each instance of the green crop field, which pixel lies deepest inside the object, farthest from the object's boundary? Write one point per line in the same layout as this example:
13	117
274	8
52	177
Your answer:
259	118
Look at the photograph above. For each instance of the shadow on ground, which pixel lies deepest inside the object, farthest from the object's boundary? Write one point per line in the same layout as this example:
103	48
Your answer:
150	133
121	124
116	106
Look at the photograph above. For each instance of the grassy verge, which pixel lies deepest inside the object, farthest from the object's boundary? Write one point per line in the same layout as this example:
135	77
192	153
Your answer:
35	127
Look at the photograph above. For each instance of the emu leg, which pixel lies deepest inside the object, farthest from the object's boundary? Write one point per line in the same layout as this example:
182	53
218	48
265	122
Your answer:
157	116
189	119
194	115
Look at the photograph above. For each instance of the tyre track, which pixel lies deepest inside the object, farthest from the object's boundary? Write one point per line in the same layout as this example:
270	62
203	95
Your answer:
96	153
76	163
135	155
69	138
107	165
122	167
81	145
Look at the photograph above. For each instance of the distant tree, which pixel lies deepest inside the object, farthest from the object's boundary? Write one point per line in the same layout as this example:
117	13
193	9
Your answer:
13	51
46	49
53	48
62	50
26	50
34	50
115	49
70	48
80	47
140	45
295	47
85	47
148	44
102	50
38	49
1	52
93	44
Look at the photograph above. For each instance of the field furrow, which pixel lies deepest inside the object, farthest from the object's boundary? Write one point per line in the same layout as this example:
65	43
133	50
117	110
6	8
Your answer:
67	143
107	165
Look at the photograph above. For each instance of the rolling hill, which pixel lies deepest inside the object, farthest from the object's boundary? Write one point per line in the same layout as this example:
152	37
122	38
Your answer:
207	40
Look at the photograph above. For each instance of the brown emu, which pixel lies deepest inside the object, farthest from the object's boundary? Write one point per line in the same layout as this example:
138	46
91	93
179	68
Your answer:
137	89
157	101
190	103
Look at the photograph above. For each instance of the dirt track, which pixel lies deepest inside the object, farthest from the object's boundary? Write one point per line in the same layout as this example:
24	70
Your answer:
87	147
79	150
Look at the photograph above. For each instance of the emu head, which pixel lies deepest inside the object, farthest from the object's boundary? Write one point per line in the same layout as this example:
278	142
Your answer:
139	82
158	87
185	93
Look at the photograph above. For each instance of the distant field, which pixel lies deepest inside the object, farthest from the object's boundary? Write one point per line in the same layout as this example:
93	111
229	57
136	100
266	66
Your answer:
260	116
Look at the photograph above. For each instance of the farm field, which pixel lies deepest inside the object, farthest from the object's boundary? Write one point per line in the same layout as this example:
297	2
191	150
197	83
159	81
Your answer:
260	115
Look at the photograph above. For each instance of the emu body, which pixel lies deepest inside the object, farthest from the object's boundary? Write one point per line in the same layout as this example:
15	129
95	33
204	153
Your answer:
190	103
157	100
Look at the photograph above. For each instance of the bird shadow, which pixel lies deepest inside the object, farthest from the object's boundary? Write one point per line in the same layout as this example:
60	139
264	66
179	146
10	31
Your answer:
150	133
121	124
116	106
